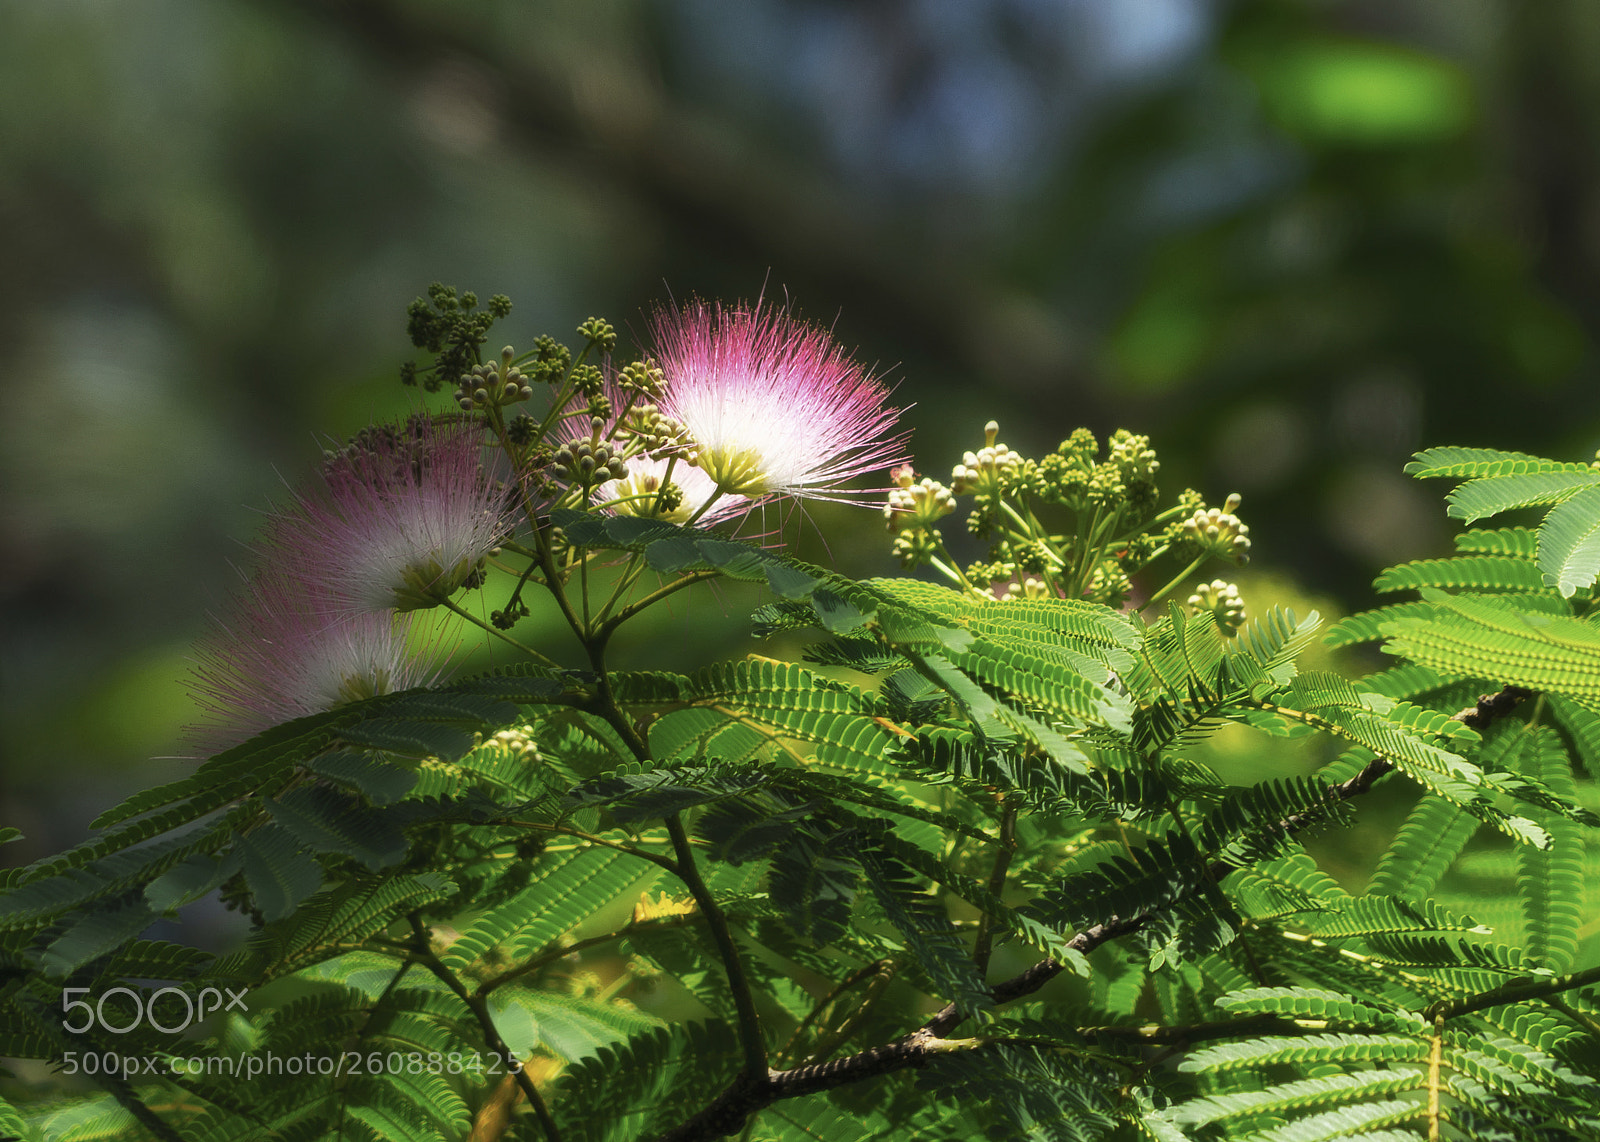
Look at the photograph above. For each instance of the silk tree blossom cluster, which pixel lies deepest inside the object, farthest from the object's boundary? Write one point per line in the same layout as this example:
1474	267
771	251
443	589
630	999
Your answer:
403	519
399	520
744	405
774	407
282	653
737	407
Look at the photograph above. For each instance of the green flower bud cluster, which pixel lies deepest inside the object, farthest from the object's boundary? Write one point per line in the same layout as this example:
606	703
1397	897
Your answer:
669	498
550	360
988	574
522	429
401	445
506	619
1068	525
450	325
1109	584
915	506
1136	466
517	742
1064	475
591	381
599	332
1222	599
644	378
1218	531
485	386
1074	476
588	462
656	433
1134	457
915	548
643	494
987	470
1033	557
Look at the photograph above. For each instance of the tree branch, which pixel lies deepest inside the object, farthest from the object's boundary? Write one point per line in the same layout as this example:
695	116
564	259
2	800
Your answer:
479	1007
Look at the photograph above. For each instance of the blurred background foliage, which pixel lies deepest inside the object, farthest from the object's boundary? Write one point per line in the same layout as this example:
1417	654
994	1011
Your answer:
1292	240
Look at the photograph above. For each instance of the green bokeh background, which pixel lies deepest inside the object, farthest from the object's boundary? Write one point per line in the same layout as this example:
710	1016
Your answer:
1293	241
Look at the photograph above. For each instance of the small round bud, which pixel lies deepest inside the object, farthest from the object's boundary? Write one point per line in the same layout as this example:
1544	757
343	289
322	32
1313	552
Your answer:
1222	599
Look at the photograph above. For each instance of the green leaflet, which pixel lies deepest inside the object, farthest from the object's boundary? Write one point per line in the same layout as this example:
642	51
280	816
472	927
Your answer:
819	1119
1298	1095
1433	834
94	934
814	879
1471	572
928	934
1481	462
1401	736
1368	625
660	1074
1521	542
1243	828
1581	727
325	821
1038	1092
1381	915
565	888
1335	1047
1275	640
1550	881
97	1119
1540	652
1408	681
342	914
1498	481
569	1027
1569	542
278	869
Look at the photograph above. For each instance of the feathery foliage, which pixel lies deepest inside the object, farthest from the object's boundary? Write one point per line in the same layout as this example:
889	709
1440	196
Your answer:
787	901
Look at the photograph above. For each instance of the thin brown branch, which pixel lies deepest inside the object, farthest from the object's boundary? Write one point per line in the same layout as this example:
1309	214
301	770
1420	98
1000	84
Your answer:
1517	991
997	883
751	1041
428	958
530	966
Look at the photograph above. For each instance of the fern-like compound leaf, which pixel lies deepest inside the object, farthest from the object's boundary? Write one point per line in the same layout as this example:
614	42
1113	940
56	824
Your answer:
1569	542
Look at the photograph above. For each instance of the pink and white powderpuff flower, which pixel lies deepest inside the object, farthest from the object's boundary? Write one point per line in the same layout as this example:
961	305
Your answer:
283	654
775	406
404	516
637	493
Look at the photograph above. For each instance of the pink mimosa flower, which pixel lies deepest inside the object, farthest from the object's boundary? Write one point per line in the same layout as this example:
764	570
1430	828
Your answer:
283	655
403	518
775	406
